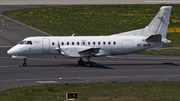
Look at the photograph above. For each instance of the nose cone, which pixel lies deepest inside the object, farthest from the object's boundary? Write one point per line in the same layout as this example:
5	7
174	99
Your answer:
16	50
10	51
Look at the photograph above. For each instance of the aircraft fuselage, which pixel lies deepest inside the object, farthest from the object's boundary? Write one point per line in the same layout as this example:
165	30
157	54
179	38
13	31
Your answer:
70	46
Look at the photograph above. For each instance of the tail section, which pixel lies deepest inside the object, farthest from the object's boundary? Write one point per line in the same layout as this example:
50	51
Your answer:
158	26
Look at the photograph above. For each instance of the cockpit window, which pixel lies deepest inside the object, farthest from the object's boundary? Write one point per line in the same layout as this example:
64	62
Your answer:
29	43
22	42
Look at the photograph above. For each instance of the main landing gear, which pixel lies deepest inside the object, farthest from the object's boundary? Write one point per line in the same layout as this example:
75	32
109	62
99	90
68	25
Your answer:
24	63
81	62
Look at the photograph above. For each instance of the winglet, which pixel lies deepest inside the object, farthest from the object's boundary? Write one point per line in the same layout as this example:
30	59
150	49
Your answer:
72	34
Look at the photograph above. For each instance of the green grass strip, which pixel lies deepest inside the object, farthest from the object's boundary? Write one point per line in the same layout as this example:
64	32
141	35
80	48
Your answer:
91	20
166	52
115	91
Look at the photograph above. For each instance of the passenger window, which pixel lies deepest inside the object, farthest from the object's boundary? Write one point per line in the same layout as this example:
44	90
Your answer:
89	43
67	43
53	43
77	43
109	43
114	42
72	43
83	43
94	43
104	43
99	43
62	43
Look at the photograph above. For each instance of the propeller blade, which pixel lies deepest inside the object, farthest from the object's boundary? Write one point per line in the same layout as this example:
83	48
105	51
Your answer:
58	49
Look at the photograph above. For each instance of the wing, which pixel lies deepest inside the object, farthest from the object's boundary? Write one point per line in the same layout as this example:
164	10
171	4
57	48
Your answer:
82	51
89	52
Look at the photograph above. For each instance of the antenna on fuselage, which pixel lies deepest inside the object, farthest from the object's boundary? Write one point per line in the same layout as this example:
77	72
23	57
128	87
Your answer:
72	34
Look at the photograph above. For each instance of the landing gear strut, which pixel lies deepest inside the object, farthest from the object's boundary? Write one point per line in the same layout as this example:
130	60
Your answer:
24	63
88	64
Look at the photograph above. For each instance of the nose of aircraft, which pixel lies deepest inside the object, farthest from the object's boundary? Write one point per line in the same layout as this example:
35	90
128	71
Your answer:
10	51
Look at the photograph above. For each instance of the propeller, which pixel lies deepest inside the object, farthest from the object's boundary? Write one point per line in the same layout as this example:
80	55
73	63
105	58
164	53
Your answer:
58	49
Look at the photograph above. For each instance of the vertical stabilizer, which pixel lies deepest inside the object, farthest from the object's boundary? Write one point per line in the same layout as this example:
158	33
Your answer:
160	22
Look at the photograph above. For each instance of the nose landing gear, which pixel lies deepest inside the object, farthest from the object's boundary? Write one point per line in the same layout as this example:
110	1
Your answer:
24	63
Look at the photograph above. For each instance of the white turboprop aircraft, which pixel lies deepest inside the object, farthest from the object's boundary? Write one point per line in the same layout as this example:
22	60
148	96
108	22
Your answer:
150	37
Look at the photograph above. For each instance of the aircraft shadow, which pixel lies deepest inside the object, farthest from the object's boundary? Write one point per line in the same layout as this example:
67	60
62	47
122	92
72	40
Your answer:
70	65
103	66
96	65
170	63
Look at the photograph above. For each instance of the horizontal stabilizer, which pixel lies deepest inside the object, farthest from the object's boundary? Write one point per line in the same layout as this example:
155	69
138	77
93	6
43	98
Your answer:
154	38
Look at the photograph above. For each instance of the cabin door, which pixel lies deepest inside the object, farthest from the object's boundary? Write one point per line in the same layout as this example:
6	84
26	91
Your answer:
45	46
128	46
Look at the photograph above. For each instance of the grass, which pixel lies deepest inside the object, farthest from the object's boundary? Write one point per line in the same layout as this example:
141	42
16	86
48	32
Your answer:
115	91
91	20
175	39
166	52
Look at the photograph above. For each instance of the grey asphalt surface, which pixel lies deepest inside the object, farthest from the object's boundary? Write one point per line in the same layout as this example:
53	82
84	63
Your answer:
12	32
42	70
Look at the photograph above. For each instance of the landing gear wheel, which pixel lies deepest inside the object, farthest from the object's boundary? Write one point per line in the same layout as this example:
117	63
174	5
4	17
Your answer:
24	64
88	64
80	62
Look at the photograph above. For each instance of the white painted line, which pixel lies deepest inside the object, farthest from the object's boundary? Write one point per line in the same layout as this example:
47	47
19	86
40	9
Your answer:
47	82
86	78
162	1
38	79
120	77
153	58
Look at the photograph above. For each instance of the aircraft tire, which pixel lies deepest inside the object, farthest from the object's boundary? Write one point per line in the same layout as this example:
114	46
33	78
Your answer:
25	64
80	62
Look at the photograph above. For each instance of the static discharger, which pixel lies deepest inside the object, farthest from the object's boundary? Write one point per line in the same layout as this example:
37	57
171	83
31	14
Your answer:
71	95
